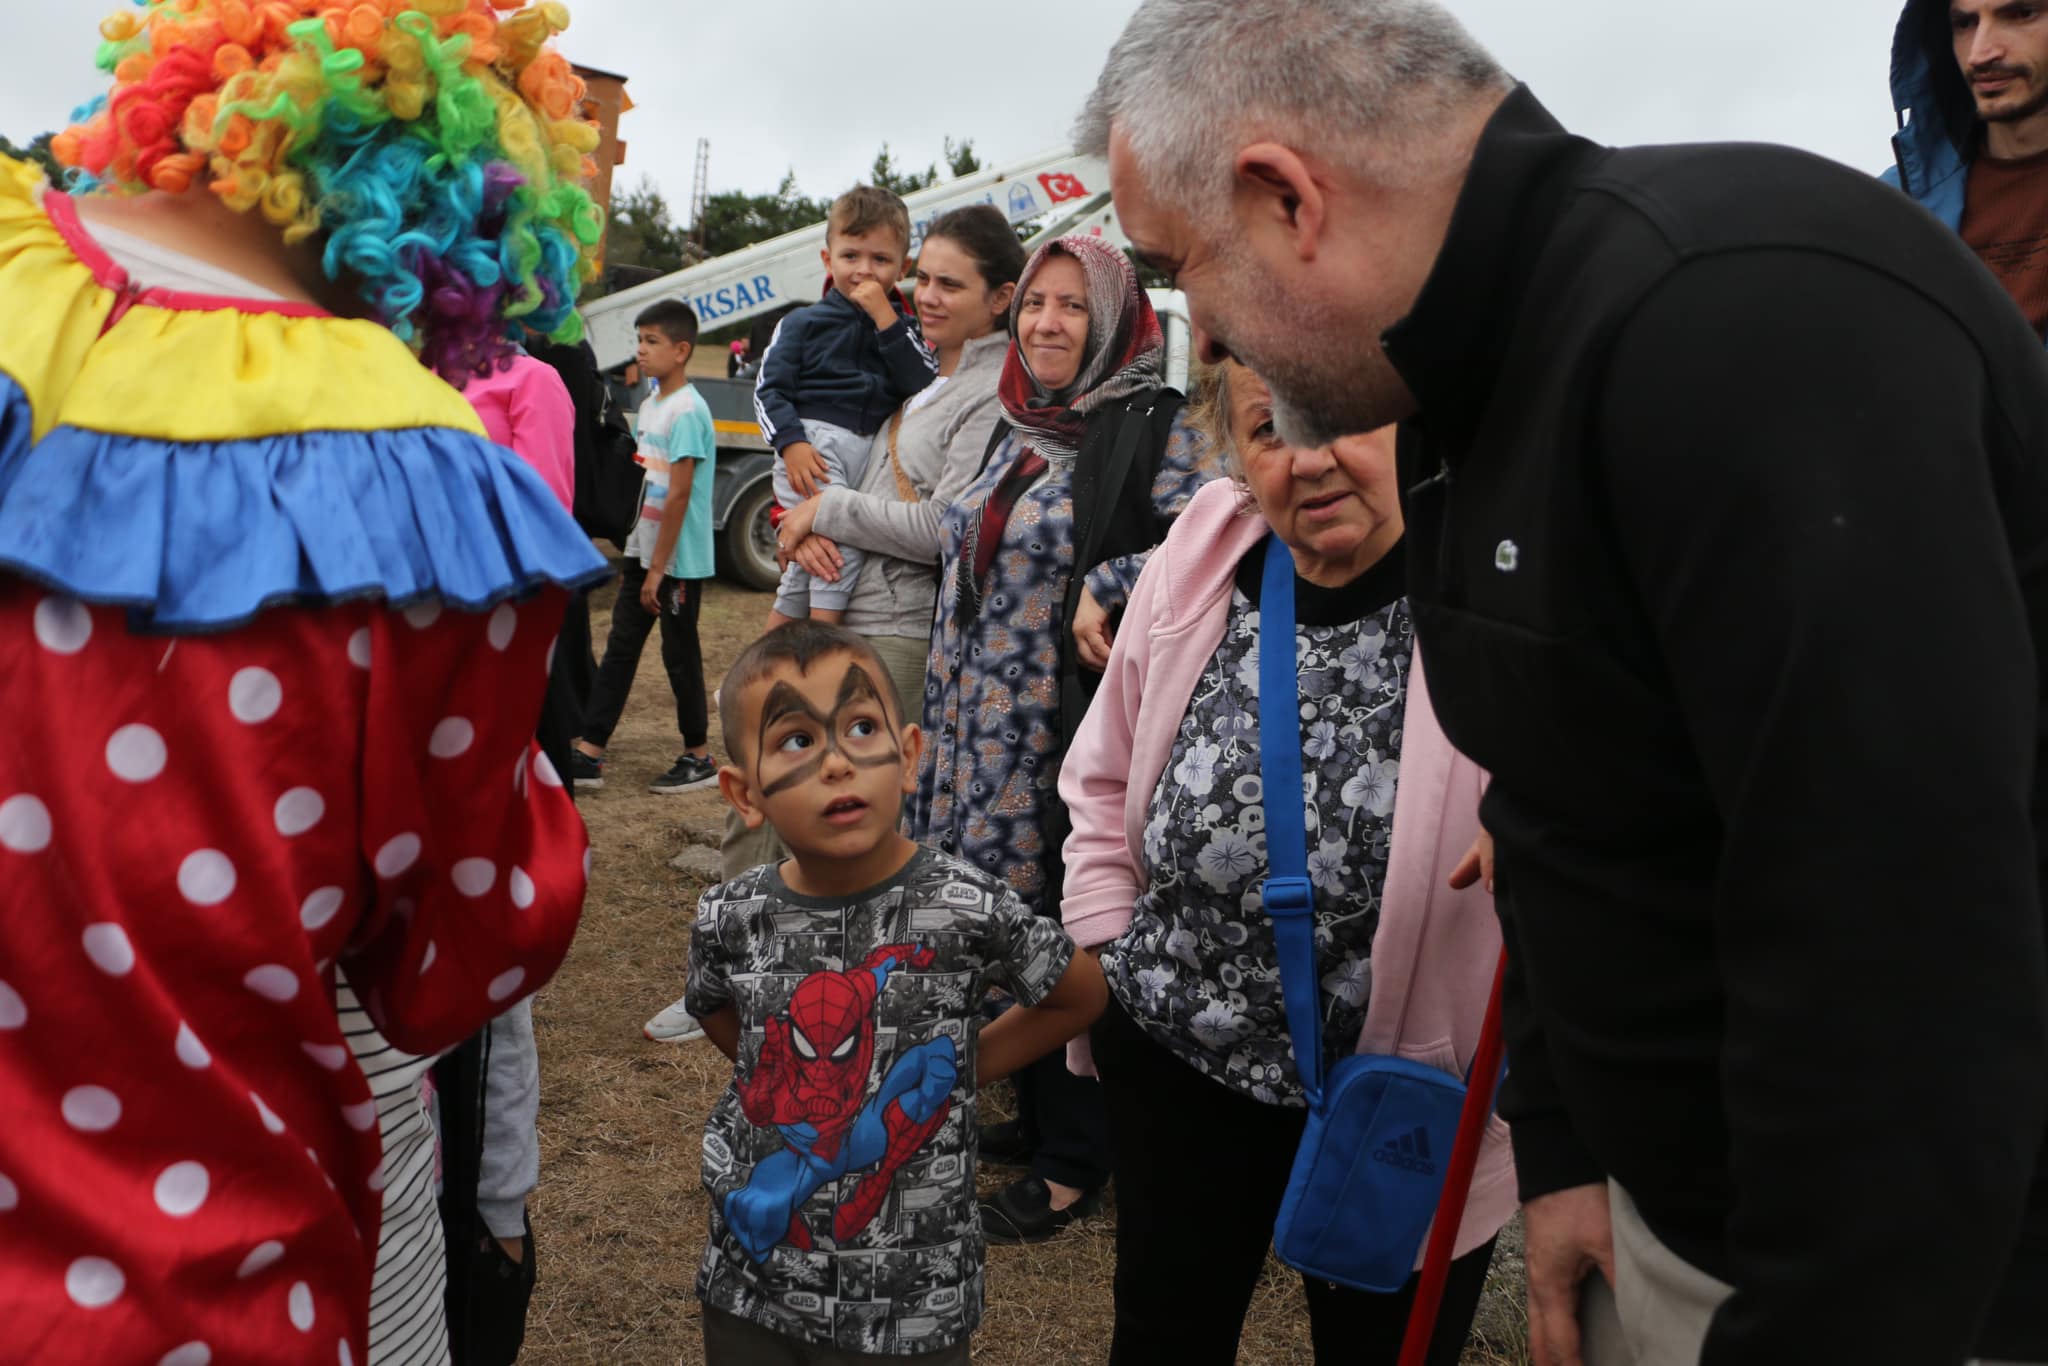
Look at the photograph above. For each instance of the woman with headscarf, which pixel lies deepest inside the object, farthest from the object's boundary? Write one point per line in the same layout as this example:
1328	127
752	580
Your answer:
1083	477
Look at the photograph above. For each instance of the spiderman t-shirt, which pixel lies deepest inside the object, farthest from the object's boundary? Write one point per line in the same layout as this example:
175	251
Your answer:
840	1162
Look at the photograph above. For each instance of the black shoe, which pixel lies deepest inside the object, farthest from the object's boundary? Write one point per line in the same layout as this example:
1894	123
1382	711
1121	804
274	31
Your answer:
1022	1212
585	771
1005	1145
692	771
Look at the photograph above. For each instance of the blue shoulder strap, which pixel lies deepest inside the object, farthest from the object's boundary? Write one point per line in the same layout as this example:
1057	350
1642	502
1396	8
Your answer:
1288	895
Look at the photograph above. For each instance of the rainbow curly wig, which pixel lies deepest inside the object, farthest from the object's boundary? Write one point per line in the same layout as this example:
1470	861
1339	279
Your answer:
432	147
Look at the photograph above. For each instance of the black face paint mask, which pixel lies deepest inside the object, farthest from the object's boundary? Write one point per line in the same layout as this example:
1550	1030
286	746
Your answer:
784	700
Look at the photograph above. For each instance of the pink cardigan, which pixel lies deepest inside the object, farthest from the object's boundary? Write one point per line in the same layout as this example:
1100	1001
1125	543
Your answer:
527	410
1433	956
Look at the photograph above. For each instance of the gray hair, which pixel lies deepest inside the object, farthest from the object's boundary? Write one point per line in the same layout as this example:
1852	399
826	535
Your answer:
1365	82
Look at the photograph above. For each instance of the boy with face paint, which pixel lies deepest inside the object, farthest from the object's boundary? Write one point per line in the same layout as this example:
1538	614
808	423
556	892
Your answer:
846	984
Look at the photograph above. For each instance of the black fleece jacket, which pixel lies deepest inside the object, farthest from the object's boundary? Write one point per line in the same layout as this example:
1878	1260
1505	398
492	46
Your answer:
1728	533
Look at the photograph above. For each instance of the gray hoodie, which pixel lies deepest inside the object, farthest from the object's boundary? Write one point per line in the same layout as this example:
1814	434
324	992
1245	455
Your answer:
940	446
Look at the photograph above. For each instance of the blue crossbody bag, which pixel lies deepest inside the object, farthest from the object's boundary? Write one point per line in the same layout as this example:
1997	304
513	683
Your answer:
1372	1164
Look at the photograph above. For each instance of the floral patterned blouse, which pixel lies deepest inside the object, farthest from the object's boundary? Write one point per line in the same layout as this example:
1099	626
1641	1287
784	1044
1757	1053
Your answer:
1197	969
991	699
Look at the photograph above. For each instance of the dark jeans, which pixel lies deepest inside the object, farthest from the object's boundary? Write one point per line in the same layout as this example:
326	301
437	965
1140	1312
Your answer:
1060	1116
680	654
1200	1172
493	1327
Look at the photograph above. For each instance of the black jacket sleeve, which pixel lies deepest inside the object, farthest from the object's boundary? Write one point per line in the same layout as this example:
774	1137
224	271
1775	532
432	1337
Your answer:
1549	1155
1798	451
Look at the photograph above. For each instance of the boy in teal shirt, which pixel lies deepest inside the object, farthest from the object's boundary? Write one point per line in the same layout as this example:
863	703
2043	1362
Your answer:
668	559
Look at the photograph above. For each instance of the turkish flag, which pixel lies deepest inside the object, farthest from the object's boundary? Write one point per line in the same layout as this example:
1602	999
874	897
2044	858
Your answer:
1060	187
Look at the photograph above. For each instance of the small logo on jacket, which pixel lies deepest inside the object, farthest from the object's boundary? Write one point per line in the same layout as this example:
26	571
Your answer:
1507	557
1409	1152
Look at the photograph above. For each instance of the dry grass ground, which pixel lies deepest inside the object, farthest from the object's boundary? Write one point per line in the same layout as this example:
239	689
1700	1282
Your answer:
620	1217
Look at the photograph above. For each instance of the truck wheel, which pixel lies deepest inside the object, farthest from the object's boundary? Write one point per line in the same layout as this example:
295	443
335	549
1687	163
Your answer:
748	549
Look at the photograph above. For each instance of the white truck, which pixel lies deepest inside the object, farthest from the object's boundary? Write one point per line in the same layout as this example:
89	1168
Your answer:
1063	191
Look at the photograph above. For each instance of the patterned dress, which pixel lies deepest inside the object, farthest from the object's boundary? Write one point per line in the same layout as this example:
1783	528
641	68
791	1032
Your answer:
1197	969
992	706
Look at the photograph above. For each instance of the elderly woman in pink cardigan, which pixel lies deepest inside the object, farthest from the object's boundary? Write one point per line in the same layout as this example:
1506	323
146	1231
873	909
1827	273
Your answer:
1163	876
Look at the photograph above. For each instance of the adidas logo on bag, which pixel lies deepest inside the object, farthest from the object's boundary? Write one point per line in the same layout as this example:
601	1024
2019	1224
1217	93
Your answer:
1410	1152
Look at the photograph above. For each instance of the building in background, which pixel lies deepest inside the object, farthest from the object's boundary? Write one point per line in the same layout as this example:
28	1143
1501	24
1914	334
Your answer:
604	101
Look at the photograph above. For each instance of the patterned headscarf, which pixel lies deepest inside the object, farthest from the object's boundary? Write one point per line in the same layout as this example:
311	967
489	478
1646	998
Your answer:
1126	351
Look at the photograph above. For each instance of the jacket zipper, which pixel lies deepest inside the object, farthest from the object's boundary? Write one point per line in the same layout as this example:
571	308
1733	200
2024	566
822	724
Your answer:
1451	592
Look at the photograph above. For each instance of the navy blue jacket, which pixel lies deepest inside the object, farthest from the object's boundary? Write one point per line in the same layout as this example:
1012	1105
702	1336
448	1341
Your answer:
830	363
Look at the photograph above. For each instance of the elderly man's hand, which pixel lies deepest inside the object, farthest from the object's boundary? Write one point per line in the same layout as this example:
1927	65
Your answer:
1091	632
1566	1234
1477	864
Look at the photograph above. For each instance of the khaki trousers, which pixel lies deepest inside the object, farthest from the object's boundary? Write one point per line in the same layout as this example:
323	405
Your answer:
1660	1306
740	848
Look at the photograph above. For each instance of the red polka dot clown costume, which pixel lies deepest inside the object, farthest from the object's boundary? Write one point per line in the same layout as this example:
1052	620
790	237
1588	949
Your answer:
275	624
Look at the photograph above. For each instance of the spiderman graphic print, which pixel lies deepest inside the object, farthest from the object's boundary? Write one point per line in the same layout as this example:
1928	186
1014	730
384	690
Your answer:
840	1163
811	1082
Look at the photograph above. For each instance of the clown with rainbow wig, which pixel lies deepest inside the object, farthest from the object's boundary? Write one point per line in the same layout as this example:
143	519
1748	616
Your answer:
275	624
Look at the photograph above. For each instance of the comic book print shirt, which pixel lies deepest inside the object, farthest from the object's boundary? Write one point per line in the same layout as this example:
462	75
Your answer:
840	1162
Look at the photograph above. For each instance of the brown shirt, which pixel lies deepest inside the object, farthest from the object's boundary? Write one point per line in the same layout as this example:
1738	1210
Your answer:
2005	221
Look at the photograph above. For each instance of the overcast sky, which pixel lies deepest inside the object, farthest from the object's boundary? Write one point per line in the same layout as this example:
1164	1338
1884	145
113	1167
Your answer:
818	85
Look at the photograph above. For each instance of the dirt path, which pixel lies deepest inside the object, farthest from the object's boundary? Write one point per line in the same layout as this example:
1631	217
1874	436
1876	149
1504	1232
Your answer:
620	1217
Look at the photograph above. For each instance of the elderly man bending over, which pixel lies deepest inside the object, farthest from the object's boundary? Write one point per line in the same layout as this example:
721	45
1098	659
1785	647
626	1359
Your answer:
1705	450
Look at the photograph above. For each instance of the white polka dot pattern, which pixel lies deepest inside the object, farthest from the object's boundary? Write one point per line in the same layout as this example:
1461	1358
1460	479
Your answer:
191	1052
10	1196
91	1109
421	615
474	876
136	753
333	1057
13	1010
267	1115
399	853
504	622
301	1300
506	983
24	825
206	877
108	947
319	908
521	888
63	625
94	1282
273	982
452	737
298	811
181	1189
359	648
261	1257
191	1354
254	695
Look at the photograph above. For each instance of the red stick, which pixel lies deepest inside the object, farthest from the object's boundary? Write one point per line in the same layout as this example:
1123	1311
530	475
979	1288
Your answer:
1450	1207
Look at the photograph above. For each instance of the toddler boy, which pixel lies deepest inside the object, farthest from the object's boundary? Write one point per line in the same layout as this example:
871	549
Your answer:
835	372
846	985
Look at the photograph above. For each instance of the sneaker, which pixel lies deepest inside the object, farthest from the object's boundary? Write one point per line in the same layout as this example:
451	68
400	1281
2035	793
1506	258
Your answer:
1022	1212
1005	1145
673	1025
692	771
585	771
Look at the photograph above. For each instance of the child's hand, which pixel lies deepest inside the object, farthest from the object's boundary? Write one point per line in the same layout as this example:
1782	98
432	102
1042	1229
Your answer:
805	468
650	593
875	299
